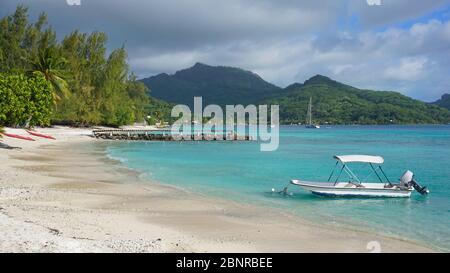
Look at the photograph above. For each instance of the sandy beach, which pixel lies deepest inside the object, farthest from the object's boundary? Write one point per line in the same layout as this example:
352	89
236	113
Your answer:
65	195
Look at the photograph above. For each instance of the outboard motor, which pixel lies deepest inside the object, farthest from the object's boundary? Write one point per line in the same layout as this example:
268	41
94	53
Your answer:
407	180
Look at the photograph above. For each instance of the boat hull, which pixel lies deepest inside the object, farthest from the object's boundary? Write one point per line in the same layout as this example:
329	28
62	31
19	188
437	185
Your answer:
311	126
342	190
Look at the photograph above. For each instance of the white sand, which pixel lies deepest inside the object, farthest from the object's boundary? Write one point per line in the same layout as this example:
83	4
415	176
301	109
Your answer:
57	196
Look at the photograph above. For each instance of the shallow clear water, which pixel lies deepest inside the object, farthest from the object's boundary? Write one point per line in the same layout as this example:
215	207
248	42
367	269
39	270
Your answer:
239	171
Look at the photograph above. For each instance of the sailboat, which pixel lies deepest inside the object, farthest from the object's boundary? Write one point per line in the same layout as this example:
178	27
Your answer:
309	124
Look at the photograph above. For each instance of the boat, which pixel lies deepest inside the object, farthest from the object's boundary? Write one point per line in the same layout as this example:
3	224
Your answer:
309	123
354	187
39	135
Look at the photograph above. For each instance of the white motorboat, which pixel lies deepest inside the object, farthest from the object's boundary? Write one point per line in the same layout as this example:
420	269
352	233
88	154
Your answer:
354	187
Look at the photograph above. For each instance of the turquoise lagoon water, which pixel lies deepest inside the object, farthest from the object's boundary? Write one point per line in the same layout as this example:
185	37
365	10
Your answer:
241	172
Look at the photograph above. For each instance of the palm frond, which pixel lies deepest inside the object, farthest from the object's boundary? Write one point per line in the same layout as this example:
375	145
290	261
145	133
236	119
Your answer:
50	65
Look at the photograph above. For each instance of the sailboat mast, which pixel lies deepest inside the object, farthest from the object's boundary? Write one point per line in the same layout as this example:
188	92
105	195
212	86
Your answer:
310	110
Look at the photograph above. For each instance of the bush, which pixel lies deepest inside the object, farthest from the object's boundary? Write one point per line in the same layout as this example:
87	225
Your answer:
25	101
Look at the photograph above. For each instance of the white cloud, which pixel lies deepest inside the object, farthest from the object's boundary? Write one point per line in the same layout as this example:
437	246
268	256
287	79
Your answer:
168	62
414	61
282	40
373	2
409	69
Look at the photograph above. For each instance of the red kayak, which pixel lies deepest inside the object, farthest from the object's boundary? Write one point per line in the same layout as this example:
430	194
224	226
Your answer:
39	135
18	136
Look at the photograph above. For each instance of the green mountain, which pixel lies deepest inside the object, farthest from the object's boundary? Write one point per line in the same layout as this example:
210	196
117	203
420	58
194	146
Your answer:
333	102
337	103
444	101
216	84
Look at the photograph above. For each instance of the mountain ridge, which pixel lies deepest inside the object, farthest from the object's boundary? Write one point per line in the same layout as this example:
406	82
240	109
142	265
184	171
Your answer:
444	101
338	103
334	102
216	84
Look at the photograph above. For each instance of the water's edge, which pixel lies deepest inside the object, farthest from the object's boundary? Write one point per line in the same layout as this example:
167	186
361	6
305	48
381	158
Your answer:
338	225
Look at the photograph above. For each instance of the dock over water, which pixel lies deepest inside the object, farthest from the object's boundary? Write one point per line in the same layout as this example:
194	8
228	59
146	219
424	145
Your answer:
166	135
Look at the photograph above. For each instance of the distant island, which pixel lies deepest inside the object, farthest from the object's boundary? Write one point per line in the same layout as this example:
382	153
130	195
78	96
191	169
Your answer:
334	102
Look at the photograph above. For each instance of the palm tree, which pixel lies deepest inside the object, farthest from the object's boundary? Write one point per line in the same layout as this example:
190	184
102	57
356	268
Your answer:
51	66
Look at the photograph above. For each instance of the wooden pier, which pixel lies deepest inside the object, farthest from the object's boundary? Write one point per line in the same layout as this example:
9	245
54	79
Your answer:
166	135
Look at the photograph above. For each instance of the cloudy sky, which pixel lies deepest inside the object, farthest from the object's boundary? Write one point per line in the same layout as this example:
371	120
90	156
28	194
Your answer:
401	45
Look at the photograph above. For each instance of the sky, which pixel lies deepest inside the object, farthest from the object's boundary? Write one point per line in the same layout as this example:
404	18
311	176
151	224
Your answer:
399	45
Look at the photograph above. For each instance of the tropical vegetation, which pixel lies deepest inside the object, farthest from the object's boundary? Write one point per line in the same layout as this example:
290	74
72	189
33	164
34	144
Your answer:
72	81
337	103
444	101
158	111
25	101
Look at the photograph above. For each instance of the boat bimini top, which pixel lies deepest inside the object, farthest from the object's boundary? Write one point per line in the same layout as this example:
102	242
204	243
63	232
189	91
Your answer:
370	159
360	158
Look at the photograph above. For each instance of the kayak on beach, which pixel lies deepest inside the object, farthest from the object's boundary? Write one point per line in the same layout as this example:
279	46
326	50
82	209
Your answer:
39	135
18	136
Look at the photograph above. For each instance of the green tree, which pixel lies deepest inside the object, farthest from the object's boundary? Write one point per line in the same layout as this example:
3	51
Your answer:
50	65
25	100
12	31
139	94
87	86
117	106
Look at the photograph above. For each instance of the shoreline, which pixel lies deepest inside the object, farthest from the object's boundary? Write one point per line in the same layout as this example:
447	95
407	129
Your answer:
340	226
58	197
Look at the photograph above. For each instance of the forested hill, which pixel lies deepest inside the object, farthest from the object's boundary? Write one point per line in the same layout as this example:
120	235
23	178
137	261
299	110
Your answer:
337	103
216	84
444	101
